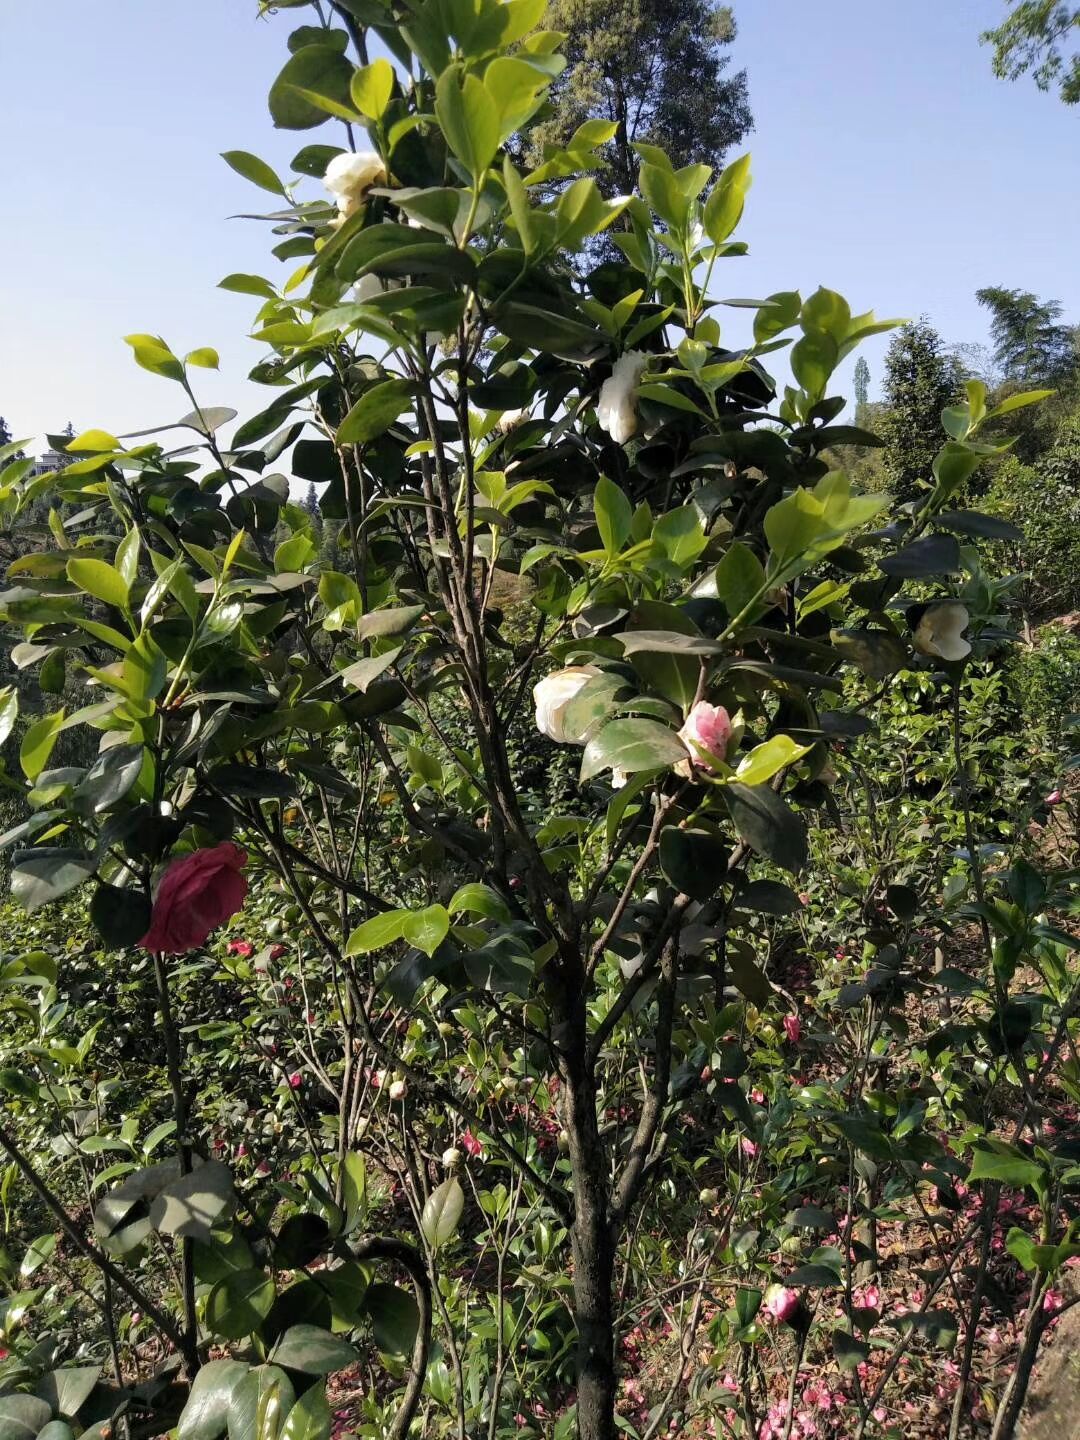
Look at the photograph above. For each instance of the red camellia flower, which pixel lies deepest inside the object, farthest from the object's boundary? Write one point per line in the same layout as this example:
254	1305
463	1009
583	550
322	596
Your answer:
243	948
197	893
793	1028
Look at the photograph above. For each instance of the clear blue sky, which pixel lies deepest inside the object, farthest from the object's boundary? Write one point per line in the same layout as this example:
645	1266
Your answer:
889	164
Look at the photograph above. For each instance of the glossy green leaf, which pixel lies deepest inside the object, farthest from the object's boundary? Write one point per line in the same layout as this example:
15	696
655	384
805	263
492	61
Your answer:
442	1213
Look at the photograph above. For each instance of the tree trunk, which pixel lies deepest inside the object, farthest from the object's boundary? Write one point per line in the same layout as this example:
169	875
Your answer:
594	1267
591	1232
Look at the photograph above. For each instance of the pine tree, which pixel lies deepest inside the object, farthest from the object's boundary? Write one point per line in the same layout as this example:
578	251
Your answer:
1031	345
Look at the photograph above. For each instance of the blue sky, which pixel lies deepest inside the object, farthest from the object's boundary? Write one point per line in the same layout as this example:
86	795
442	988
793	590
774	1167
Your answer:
889	164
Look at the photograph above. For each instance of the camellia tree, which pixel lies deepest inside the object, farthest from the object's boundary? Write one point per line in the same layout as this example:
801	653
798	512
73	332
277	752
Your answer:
546	488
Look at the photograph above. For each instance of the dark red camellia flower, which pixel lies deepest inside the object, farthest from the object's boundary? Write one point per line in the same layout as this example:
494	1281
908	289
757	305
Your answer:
197	893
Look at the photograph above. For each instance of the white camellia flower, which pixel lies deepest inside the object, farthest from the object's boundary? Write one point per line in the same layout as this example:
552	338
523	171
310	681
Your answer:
553	695
451	1158
349	177
616	409
939	631
398	1090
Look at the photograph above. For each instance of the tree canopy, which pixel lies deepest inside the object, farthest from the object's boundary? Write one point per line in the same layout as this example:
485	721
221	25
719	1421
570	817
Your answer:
658	69
1031	344
1032	39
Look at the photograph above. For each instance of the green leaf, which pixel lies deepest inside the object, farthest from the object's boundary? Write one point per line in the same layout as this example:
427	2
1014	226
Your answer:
22	1416
740	578
996	1160
67	1390
37	744
394	1317
632	745
1018	401
477	899
695	861
206	357
121	917
100	579
309	1418
468	117
377	933
614	515
816	1276
748	976
39	1252
353	1189
813	360
932	555
9	712
189	1206
767	825
43	875
426	929
261	1400
765	760
206	1413
239	1303
850	1351
371	88
442	1213
320	70
154	355
312	1351
375	412
724	207
144	669
255	170
248	285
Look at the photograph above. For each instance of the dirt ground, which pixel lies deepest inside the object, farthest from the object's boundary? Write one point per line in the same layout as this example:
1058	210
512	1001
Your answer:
1052	1411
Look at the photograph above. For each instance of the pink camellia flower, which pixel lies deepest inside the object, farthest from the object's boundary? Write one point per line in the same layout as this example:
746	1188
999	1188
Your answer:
471	1145
793	1028
243	948
869	1298
197	893
1054	798
295	1080
1053	1300
276	952
780	1302
708	726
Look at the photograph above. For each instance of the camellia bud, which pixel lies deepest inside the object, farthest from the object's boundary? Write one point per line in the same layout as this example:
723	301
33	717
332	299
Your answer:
451	1158
445	1029
708	1198
564	1142
398	1090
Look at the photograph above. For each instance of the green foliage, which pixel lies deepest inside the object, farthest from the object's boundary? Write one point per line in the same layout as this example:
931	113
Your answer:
1033	38
921	379
490	1012
1031	345
656	69
1042	499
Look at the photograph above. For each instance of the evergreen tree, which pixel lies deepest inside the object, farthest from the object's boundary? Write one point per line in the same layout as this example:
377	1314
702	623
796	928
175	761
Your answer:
1031	345
311	503
862	388
655	67
921	378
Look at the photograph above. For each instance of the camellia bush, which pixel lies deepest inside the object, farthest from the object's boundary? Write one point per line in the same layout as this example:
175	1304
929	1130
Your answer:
515	786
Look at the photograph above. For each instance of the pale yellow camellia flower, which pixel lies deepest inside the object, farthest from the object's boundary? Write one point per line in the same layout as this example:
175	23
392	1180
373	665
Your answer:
553	695
349	177
616	409
938	633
